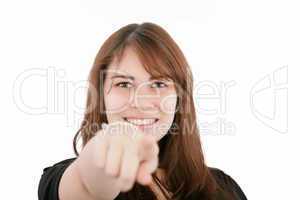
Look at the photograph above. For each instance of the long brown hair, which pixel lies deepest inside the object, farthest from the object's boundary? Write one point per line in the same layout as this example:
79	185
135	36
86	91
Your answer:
181	154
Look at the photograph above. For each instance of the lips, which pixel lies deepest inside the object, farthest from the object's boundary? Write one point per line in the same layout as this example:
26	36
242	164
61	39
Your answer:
141	121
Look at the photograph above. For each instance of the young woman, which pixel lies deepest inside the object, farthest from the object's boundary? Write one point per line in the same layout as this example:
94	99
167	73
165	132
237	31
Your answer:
139	134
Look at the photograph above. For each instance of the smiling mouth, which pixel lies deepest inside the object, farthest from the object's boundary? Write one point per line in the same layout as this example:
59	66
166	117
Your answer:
141	121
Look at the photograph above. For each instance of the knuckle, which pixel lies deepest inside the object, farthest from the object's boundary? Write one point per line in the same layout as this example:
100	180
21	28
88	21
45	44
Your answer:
109	171
99	164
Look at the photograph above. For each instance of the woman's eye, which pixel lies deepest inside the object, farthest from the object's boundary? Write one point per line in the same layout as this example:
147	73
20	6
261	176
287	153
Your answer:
159	84
124	84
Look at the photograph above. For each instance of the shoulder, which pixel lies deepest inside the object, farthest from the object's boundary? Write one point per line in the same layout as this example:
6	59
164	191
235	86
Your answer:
62	163
227	183
50	178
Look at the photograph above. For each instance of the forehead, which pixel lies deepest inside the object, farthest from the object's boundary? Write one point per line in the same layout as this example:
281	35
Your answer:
129	64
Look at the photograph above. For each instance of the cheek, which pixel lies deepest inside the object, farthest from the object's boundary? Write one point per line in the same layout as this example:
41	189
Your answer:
168	104
114	101
168	109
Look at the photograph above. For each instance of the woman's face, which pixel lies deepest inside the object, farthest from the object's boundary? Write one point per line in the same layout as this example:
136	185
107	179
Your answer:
132	95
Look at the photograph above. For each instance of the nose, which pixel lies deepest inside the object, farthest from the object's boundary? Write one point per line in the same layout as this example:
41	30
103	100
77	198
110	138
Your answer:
145	98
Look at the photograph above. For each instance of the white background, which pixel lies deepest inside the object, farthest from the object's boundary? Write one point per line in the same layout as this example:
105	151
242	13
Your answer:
251	48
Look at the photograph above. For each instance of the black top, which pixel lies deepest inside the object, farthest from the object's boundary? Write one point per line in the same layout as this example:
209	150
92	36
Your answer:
48	185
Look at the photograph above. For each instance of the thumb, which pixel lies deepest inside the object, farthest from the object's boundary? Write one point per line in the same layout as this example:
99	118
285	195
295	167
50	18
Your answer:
143	176
145	170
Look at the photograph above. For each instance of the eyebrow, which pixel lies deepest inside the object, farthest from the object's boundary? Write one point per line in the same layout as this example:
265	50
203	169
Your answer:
123	76
132	78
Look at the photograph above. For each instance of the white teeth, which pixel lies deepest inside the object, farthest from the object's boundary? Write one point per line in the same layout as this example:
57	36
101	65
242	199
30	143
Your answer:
141	121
